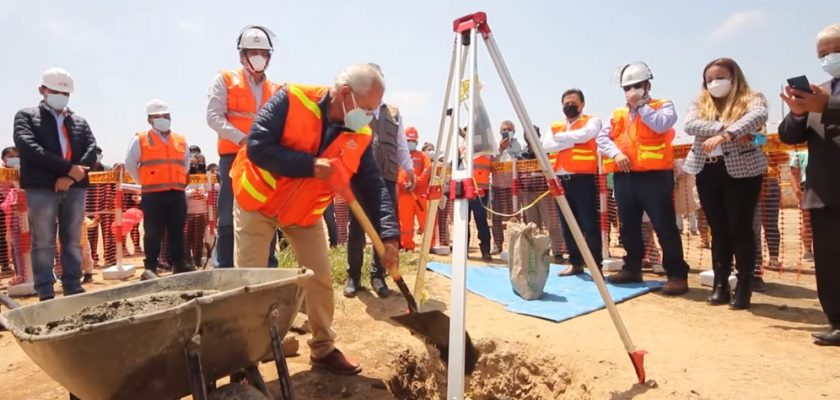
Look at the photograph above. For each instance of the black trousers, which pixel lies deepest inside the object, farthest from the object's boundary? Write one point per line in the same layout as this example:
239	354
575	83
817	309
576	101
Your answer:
651	192
356	241
729	204
825	224
582	195
164	212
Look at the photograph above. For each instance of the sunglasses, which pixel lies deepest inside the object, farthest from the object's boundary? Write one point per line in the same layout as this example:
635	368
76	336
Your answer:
640	85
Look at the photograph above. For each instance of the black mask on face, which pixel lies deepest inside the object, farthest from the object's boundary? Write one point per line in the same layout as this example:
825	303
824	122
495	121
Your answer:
571	111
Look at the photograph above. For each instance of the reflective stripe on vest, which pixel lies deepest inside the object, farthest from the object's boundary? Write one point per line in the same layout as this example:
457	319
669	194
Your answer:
161	165
580	159
646	149
241	105
297	201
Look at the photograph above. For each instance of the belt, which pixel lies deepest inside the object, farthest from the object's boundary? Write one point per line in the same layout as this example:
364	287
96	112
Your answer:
713	160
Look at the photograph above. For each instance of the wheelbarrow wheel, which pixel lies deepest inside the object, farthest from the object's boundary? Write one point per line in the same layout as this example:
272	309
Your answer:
237	391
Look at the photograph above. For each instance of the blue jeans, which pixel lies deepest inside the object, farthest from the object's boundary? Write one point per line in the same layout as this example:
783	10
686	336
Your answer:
582	194
651	192
224	225
46	208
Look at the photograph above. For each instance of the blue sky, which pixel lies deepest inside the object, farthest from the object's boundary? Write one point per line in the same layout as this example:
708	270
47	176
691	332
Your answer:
123	53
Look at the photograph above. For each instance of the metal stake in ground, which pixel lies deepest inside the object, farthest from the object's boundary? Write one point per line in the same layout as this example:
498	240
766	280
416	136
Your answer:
478	22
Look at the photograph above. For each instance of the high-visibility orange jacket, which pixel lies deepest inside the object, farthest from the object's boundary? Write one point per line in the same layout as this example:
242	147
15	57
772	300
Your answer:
580	159
241	105
647	150
162	163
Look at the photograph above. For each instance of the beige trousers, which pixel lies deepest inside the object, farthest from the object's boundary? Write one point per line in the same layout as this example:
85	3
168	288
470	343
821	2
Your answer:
253	232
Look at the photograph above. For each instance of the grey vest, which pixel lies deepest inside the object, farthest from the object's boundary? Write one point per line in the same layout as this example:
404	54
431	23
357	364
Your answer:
385	151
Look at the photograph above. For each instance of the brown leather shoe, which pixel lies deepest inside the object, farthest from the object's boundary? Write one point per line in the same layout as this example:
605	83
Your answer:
625	276
571	270
675	287
338	363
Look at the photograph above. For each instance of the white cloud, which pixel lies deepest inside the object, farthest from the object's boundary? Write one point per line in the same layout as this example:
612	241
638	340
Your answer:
190	27
737	23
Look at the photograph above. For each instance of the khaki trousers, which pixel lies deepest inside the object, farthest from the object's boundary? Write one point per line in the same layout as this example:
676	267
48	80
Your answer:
253	232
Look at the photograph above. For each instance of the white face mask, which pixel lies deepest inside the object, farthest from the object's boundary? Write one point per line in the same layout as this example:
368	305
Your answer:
57	101
99	158
258	62
13	162
161	124
831	64
719	88
357	118
635	91
412	146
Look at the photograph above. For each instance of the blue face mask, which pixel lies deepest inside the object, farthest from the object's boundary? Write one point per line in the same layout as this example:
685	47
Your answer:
412	146
357	118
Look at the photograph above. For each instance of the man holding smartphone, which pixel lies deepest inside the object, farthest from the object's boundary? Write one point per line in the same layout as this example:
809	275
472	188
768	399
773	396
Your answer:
815	118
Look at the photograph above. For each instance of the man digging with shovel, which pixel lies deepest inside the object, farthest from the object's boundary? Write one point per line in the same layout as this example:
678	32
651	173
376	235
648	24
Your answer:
284	178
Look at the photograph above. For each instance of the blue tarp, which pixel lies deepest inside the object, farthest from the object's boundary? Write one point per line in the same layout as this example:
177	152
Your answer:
564	298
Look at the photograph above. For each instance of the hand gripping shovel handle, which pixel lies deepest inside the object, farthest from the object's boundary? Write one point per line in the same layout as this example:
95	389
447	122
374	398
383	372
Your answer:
340	182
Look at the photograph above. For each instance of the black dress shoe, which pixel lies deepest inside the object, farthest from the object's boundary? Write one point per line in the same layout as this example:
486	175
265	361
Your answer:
827	338
379	286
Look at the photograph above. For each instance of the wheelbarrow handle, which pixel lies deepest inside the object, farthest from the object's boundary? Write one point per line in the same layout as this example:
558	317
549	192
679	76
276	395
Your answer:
8	302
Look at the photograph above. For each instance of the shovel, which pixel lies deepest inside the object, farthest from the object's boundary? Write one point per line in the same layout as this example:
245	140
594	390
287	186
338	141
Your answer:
433	326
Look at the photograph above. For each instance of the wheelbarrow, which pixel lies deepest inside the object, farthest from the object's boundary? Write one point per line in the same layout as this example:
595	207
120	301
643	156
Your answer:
169	353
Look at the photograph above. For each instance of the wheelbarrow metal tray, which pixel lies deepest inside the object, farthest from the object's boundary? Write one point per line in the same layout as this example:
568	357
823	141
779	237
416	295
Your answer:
143	356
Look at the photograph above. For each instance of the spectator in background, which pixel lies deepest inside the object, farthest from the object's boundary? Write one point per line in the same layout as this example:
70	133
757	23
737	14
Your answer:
159	161
637	143
56	147
724	120
11	159
767	217
501	192
196	221
798	166
575	162
814	118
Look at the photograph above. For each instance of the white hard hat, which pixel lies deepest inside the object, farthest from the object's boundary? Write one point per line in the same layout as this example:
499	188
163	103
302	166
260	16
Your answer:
634	73
156	107
57	79
255	37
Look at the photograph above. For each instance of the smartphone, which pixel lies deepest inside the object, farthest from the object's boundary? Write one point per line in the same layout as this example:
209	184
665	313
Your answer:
800	83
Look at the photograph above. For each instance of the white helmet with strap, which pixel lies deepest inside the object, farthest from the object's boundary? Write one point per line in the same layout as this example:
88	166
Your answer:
255	37
634	73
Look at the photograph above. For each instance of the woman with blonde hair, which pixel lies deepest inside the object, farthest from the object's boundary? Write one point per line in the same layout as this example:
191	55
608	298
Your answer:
724	119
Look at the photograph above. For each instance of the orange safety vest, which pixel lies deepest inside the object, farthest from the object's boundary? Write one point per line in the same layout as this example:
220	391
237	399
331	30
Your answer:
422	173
297	201
241	105
481	171
580	159
162	164
646	149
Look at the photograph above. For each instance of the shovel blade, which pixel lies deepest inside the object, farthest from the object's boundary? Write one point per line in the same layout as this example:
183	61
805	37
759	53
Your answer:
433	326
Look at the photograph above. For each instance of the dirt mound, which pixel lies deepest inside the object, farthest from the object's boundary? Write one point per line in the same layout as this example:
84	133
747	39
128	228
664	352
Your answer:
117	309
505	371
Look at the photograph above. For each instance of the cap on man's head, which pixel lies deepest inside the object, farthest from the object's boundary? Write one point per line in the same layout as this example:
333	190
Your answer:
156	107
57	79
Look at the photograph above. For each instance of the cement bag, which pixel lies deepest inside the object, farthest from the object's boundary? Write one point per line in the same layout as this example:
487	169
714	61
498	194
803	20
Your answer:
528	259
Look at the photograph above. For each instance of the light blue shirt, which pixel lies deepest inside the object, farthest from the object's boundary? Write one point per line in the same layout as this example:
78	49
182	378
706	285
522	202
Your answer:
59	124
132	158
659	121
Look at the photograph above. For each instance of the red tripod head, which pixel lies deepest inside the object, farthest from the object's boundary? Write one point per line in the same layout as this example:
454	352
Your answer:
476	20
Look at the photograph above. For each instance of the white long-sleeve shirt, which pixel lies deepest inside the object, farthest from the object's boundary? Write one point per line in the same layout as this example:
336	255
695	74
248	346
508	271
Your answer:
217	108
132	158
570	137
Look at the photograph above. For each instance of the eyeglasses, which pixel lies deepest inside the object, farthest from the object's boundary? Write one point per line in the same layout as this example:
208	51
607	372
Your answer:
640	85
